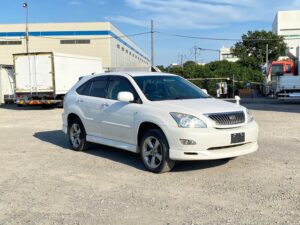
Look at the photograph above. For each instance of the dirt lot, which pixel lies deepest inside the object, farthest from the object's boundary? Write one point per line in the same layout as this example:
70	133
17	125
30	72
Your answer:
43	182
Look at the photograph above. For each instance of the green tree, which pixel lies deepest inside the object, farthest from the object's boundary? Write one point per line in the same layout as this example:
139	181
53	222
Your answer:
162	68
252	49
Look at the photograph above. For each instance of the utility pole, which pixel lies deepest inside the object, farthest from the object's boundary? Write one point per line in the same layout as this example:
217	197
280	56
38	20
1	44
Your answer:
152	44
233	86
181	63
25	6
267	54
195	48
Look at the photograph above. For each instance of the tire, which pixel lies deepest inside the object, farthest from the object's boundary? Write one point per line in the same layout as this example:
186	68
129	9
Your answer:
155	152
77	135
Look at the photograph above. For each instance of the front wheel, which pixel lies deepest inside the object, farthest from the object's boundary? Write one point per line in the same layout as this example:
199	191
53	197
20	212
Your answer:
155	152
77	135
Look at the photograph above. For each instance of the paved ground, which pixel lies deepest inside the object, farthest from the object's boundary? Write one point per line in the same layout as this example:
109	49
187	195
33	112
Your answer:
43	182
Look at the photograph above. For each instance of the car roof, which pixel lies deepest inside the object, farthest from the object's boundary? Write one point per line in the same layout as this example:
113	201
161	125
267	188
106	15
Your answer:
136	74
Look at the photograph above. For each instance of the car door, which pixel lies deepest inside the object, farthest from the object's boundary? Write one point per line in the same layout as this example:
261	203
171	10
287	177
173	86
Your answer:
92	105
119	117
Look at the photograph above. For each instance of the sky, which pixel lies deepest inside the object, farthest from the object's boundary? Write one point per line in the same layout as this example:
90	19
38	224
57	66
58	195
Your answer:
200	18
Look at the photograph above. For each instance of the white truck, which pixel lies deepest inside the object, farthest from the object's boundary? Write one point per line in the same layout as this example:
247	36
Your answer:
286	86
283	78
7	92
43	78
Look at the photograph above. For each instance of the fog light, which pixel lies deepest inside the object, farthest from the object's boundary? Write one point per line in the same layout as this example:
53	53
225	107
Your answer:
187	142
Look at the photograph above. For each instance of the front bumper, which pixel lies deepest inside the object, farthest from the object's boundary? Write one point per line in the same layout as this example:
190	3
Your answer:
211	143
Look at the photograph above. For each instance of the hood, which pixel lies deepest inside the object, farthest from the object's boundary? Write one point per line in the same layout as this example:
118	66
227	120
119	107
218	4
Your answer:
196	106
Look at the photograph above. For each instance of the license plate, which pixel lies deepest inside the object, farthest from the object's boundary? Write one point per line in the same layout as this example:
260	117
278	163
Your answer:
237	138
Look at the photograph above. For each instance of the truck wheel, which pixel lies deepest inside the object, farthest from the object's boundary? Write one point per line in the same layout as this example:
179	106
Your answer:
77	135
155	152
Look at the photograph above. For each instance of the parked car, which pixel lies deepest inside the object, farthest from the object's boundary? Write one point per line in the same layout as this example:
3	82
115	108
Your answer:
163	117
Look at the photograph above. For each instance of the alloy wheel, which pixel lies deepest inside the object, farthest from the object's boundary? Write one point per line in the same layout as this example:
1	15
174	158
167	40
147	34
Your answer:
75	135
152	152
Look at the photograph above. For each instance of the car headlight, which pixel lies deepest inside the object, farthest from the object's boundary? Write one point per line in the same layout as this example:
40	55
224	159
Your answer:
249	116
187	121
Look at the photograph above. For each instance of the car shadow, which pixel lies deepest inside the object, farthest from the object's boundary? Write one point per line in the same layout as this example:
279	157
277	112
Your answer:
58	138
183	166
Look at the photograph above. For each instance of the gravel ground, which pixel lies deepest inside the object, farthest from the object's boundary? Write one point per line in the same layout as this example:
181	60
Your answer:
43	182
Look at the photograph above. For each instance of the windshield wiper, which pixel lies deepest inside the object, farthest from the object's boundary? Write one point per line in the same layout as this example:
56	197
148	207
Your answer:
181	97
186	97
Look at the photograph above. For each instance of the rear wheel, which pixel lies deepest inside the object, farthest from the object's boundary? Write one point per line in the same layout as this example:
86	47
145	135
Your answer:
77	135
155	152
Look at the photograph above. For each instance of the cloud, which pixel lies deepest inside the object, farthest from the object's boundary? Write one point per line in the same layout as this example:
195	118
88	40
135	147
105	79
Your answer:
201	14
129	20
75	3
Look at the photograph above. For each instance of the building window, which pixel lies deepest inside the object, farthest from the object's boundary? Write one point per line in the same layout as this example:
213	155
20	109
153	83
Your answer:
126	51
76	41
10	42
118	46
123	49
227	56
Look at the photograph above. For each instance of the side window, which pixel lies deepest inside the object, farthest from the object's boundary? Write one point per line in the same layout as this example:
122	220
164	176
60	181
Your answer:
288	68
99	88
84	89
118	84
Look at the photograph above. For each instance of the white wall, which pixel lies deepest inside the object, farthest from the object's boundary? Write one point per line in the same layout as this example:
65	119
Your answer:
101	46
287	24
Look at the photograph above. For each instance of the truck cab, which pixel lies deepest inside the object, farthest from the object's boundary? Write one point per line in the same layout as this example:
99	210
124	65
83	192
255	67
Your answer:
280	68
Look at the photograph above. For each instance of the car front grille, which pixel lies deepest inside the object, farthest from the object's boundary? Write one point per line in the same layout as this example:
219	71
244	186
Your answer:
230	118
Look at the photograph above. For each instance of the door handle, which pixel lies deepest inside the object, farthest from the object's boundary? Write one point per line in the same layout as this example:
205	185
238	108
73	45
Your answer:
104	105
79	100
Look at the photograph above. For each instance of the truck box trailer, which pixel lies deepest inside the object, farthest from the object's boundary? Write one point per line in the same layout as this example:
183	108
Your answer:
286	87
43	78
6	84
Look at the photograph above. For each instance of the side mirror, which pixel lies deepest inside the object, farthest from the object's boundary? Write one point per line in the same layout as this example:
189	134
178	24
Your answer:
125	96
237	99
205	91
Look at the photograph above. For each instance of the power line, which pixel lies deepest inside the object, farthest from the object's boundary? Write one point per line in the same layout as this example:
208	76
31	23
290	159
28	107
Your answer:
218	39
195	37
209	49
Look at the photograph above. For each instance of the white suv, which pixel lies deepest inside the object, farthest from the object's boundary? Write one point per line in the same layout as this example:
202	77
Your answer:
161	116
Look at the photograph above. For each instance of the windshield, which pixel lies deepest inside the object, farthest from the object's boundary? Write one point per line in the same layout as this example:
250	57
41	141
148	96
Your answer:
160	88
277	70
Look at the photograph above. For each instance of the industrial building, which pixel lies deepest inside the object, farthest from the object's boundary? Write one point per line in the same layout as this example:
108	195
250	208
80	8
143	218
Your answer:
96	39
287	24
226	54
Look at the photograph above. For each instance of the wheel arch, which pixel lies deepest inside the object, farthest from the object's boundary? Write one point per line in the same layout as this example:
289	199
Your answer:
145	126
71	117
